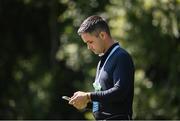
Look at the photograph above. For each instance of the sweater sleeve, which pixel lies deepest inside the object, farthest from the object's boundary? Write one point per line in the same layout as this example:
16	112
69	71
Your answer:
123	76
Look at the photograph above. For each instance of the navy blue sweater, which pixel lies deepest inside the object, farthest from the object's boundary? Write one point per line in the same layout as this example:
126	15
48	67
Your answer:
117	85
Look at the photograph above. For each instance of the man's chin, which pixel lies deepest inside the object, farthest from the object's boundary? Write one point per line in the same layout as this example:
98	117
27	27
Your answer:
97	53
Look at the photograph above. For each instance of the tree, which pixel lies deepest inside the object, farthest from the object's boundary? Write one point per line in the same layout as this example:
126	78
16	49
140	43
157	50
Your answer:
32	76
150	32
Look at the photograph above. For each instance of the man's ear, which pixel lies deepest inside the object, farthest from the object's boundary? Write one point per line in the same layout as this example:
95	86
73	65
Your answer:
102	35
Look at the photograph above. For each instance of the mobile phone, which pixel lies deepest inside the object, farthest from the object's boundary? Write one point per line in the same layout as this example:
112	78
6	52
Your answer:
66	98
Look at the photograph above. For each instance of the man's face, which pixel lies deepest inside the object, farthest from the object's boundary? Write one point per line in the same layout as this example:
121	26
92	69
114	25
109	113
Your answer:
94	43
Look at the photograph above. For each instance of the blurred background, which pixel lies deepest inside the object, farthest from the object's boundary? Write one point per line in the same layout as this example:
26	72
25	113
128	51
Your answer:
42	57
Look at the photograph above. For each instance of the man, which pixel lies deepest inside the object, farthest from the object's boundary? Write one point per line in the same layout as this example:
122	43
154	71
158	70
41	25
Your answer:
114	82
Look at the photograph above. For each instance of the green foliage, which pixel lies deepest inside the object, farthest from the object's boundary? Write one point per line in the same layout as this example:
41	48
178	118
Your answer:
150	32
43	58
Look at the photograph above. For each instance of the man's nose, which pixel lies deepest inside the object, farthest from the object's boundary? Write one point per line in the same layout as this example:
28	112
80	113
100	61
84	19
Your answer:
89	46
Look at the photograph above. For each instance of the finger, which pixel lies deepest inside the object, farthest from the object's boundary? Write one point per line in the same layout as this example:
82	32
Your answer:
73	100
74	95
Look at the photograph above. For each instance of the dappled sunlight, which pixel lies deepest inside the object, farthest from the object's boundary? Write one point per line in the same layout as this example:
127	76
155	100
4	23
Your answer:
70	52
42	57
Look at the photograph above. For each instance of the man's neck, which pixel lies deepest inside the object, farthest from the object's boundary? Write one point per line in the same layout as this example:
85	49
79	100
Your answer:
110	42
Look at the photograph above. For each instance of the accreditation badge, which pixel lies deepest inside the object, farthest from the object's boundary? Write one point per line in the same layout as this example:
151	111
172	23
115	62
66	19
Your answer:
97	87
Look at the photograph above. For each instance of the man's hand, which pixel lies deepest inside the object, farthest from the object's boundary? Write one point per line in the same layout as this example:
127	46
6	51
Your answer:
80	100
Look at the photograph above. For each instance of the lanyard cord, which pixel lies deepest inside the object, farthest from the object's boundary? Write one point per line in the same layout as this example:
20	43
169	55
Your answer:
99	75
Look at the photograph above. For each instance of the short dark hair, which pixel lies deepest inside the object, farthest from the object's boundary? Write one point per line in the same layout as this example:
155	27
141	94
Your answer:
93	25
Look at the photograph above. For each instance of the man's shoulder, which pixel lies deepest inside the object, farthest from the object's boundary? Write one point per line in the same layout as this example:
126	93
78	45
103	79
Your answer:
121	55
121	52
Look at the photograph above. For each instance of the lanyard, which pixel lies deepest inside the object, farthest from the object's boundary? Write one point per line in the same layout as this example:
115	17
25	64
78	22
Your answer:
96	84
